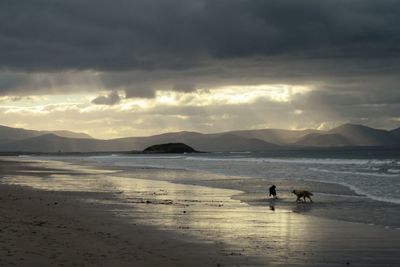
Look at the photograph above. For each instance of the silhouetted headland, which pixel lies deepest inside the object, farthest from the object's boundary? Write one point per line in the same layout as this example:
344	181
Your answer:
173	148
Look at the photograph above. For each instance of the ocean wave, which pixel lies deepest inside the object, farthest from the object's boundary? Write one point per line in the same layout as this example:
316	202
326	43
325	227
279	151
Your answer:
226	159
235	157
355	172
326	161
153	166
138	165
360	191
114	156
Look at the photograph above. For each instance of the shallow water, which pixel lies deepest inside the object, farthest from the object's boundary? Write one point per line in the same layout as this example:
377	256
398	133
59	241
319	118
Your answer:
376	178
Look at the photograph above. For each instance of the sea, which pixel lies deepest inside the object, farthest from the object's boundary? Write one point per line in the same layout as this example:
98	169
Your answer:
356	185
371	173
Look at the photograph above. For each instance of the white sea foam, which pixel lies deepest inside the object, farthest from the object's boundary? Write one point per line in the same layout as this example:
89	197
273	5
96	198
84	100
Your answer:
328	161
131	164
393	170
355	173
361	192
136	156
152	166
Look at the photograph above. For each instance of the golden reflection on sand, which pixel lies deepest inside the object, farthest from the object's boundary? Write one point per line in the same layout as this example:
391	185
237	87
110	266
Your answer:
211	215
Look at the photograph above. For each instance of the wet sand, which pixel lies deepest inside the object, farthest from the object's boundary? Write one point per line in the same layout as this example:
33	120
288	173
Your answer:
53	228
139	222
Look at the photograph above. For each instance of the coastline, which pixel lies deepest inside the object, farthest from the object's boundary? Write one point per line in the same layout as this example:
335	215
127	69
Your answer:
117	224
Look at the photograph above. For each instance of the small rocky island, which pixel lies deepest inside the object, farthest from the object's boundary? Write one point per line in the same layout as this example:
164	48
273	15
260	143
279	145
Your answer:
173	148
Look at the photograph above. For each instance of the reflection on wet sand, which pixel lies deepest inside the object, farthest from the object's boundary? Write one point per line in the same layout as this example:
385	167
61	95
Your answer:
210	215
272	204
302	207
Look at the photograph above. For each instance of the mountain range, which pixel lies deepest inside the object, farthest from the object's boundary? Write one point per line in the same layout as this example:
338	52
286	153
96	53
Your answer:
346	135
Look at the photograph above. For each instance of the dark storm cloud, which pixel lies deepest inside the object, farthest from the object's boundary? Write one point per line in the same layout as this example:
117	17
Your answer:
50	35
11	81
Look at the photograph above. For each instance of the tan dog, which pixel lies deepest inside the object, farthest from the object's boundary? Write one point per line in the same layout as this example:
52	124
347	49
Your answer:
302	194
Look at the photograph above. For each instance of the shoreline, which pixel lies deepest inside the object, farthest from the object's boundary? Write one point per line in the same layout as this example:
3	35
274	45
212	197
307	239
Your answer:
353	188
334	200
152	231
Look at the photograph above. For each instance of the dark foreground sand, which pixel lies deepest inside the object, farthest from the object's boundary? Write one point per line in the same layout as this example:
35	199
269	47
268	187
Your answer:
52	228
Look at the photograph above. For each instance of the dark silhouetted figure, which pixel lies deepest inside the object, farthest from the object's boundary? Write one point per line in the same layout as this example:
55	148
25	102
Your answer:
272	191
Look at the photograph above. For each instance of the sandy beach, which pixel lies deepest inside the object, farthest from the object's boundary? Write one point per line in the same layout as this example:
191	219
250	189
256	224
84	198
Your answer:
58	214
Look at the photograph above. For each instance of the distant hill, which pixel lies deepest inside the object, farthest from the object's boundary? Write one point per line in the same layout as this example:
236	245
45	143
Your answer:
323	140
201	142
70	134
347	135
55	143
361	135
350	135
396	132
9	133
274	136
142	142
230	142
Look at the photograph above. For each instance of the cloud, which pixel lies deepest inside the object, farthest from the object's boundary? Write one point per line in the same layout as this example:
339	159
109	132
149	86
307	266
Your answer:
20	83
110	99
203	112
347	51
178	34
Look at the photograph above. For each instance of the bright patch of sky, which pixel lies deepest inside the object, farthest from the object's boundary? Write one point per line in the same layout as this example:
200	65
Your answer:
201	97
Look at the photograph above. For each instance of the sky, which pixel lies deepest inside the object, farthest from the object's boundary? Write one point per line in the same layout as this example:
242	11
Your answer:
142	67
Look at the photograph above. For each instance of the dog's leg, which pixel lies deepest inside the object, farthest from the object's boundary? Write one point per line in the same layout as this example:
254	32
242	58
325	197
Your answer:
310	199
